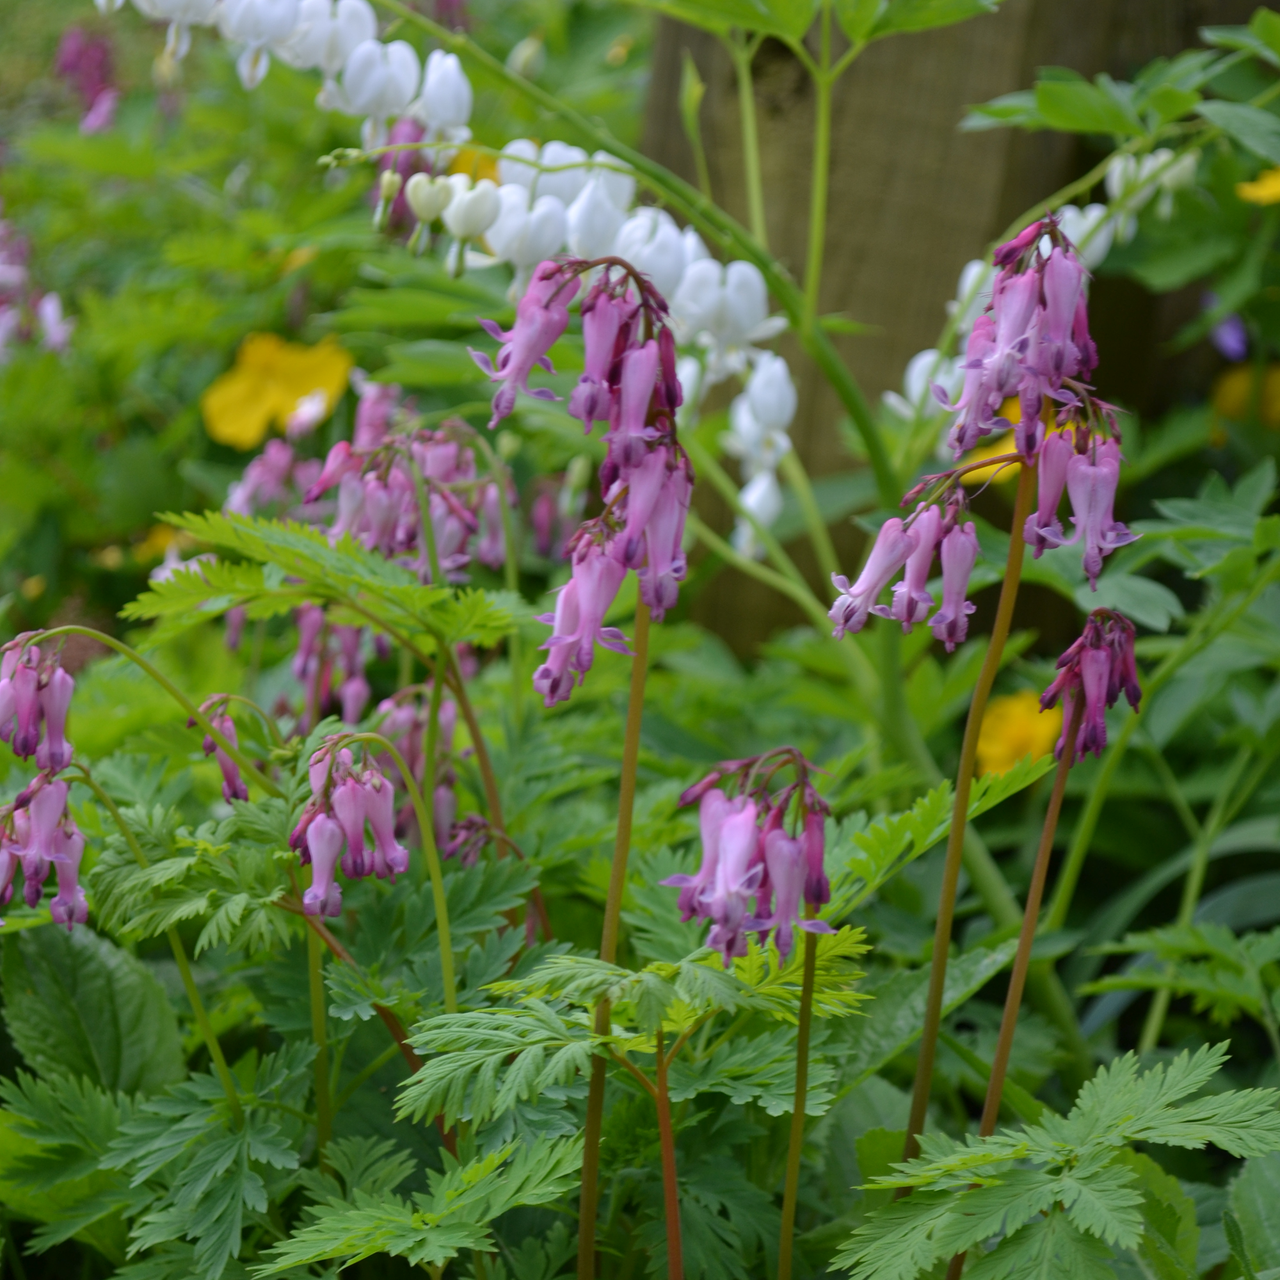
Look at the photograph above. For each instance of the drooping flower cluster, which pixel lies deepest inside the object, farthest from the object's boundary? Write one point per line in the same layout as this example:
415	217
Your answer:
912	543
1098	667
346	804
329	663
37	832
216	708
404	723
25	312
1087	465
629	381
762	854
1032	343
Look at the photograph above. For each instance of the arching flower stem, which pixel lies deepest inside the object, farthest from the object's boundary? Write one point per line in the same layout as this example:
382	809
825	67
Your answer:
194	712
221	1070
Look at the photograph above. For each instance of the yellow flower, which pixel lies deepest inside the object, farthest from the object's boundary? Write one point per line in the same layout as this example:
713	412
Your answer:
994	447
265	384
1013	727
1233	394
1264	189
475	164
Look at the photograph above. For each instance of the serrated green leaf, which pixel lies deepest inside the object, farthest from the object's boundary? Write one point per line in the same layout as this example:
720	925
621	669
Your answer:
75	1003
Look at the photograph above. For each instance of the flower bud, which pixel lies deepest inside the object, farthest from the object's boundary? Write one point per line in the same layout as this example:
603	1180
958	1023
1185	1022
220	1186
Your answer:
389	185
427	197
771	393
525	235
653	244
593	221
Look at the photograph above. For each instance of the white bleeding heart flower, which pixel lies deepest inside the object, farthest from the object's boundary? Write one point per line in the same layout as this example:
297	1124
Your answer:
563	183
726	310
619	181
1090	230
472	209
593	221
258	25
181	15
511	166
446	99
762	497
654	245
523	233
326	34
771	392
380	80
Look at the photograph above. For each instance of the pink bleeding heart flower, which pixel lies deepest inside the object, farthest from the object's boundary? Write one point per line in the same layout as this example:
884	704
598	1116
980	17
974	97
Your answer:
631	432
26	699
603	318
233	787
324	843
911	599
665	562
713	808
1091	484
390	857
1043	529
784	857
893	545
55	752
350	807
739	872
542	315
69	905
959	554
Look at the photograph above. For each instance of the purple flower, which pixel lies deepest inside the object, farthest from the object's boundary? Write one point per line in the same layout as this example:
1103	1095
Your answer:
1097	667
739	871
69	905
1092	488
55	752
8	867
1043	529
911	601
603	319
630	432
233	787
324	843
310	621
817	888
26	701
644	484
713	808
892	547
390	857
542	315
959	553
788	874
977	401
350	808
578	623
374	408
665	561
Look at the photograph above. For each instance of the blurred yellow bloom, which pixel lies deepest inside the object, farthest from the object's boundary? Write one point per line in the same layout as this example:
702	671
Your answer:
158	540
1234	391
1264	189
476	165
1013	727
993	448
265	384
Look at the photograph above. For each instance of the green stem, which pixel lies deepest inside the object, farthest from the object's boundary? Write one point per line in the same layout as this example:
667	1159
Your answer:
364	1074
425	524
786	1240
1173	789
511	560
819	535
320	1034
429	746
434	870
714	224
823	83
670	1186
960	814
742	50
221	1070
590	1196
277	739
194	712
1193	886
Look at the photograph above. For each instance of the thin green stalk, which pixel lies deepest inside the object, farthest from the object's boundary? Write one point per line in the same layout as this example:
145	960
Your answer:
364	1074
1193	885
960	814
1173	789
221	1070
320	1034
820	177
431	738
277	739
667	1143
511	560
786	1240
715	225
742	50
434	870
194	712
425	524
819	535
590	1196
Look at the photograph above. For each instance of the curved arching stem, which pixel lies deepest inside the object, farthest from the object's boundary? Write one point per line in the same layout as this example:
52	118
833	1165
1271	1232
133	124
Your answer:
246	766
